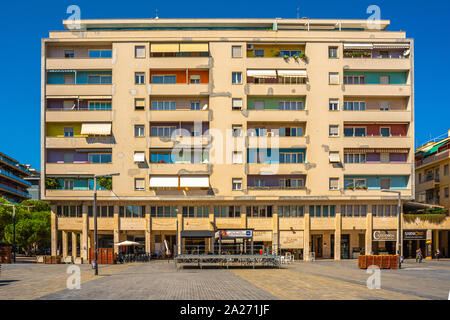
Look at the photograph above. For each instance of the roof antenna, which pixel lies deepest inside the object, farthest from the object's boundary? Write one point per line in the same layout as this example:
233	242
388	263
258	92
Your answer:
156	13
298	12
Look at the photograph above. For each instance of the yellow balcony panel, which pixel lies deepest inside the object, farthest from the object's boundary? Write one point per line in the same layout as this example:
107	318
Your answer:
55	90
78	63
106	224
78	195
75	116
377	142
229	223
377	90
196	224
276	115
179	62
378	116
70	224
179	115
426	185
378	168
354	223
323	223
280	142
276	89
166	142
82	142
294	223
179	89
276	192
377	64
77	168
132	224
177	168
259	223
274	63
159	224
276	168
385	223
371	194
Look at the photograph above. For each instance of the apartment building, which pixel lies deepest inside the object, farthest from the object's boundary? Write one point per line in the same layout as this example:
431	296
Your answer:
34	190
287	127
13	175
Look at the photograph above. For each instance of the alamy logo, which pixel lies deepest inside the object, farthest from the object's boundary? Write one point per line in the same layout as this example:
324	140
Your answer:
374	281
74	19
373	22
74	280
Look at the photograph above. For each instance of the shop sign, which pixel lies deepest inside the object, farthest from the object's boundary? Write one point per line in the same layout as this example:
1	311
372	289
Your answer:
236	233
383	235
414	235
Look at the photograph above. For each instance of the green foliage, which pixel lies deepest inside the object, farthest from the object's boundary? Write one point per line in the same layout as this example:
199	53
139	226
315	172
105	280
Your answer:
105	182
303	56
435	218
35	205
52	183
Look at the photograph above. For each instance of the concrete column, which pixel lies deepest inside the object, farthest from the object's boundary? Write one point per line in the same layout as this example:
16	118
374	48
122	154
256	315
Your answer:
369	232
180	228
212	225
84	240
116	228
429	245
436	241
54	231
148	228
65	244
306	235
275	231
74	245
244	217
337	235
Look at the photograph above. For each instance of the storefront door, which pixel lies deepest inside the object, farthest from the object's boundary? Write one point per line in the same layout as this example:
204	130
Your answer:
317	242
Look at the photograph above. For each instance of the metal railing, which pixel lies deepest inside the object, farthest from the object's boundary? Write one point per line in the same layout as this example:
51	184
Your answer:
10	175
16	191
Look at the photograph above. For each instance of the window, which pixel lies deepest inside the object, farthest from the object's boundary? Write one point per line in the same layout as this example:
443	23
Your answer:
195	105
385	79
69	54
354	80
139	184
354	132
132	211
291	211
333	78
162	131
68	157
290	105
291	157
165	212
333	105
385	106
69	79
139	51
334	183
237	183
259	211
99	157
99	105
236	77
420	177
164	105
139	104
68	184
139	130
260	183
236	103
237	157
236	51
354	183
334	157
290	53
354	158
446	192
237	130
333	130
291	183
100	79
68	131
259	53
164	79
446	170
194	78
100	53
385	183
139	78
354	106
289	132
332	52
385	132
259	105
227	212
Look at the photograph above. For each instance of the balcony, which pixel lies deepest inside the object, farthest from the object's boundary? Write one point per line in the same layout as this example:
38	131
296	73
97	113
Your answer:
166	142
283	142
77	168
275	89
179	115
377	63
276	168
78	63
14	178
179	62
377	142
14	165
378	116
370	194
77	115
178	168
426	185
82	142
400	90
276	192
14	191
430	159
274	63
276	115
73	90
378	168
179	89
78	194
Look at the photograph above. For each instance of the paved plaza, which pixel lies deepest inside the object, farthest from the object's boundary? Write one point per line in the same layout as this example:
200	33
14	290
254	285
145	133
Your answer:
323	279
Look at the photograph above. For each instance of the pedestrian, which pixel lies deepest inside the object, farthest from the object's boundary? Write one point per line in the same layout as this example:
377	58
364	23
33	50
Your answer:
419	255
438	254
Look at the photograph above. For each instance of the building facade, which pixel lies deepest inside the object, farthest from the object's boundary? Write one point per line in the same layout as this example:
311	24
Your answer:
287	127
13	184
34	190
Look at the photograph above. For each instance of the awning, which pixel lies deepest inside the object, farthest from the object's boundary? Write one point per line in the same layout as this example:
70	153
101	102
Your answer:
139	156
360	46
434	148
386	150
194	47
197	234
292	73
195	182
94	97
262	73
101	129
162	181
376	150
391	45
165	47
127	243
334	157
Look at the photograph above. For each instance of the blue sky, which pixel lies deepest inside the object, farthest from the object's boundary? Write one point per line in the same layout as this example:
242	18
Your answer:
24	24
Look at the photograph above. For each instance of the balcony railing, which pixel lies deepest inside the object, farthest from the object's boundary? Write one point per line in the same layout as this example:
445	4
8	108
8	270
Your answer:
14	164
16	191
10	175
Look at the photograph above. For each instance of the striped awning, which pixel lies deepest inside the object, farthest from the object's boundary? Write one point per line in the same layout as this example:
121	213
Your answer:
376	150
194	47
358	46
165	47
391	45
98	129
262	73
292	73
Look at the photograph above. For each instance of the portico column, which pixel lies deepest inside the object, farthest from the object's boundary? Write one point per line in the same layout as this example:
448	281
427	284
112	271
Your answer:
212	225
436	241
306	236
65	244
369	231
74	245
275	230
337	234
84	240
180	228
244	217
116	228
54	231
148	228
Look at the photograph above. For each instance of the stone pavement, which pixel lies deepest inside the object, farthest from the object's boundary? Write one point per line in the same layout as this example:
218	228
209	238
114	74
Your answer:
322	279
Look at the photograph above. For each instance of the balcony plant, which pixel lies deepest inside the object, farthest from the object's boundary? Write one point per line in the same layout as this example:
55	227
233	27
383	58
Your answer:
351	188
52	184
286	57
276	53
303	56
435	216
105	182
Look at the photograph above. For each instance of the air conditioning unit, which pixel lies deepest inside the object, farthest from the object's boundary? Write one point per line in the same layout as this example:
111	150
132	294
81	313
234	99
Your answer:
250	47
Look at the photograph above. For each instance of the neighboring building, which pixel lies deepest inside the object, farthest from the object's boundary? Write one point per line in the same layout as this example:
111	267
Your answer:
13	184
334	96
34	190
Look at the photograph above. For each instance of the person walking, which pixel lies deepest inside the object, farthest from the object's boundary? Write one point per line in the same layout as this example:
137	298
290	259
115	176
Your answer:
438	254
419	255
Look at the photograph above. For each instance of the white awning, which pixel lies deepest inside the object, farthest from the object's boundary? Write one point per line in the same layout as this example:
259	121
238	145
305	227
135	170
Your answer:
292	73
139	156
101	129
363	46
94	97
164	182
334	157
262	73
195	181
391	45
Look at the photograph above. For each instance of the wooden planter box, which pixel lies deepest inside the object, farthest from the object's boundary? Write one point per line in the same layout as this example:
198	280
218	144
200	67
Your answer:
5	254
105	256
52	259
382	262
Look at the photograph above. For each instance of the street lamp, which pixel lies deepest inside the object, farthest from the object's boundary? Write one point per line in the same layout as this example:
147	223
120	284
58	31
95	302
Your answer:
14	228
399	214
95	216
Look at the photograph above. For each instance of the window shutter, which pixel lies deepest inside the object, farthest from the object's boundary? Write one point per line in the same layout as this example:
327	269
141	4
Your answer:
139	184
140	52
333	78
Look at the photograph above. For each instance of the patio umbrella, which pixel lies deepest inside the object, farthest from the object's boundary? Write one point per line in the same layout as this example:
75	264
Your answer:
128	243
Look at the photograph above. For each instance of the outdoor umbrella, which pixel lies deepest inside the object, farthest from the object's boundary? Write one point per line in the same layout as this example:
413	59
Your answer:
128	243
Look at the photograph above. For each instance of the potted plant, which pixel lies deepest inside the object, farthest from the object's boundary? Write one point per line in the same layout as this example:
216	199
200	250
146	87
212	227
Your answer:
351	188
52	183
303	56
105	182
276	53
